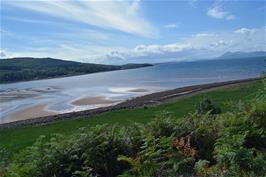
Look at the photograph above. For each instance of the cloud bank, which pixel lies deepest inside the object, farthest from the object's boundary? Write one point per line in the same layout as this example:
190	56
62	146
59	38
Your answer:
115	33
197	46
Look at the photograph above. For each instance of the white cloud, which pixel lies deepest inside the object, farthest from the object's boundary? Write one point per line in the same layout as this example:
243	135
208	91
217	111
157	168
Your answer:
216	12
197	46
171	25
124	16
2	55
23	20
245	31
192	3
81	53
219	13
203	35
230	17
147	49
221	43
83	34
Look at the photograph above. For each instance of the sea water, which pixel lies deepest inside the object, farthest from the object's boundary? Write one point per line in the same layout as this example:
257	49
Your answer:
58	93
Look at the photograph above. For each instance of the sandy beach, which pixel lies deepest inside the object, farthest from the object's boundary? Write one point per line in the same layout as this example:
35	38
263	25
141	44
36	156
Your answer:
139	90
40	110
14	94
98	100
39	115
31	112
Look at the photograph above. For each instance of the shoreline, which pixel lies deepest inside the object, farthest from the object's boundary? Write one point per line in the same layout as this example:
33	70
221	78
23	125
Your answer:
145	100
41	109
33	111
71	75
96	100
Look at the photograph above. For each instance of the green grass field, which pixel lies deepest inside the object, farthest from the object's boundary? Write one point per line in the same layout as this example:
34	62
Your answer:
13	140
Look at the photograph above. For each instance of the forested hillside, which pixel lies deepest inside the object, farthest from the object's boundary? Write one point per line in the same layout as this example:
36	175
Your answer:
24	69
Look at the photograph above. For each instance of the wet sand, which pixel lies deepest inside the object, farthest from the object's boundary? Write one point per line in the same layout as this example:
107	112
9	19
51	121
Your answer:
14	94
31	112
146	100
93	101
140	90
41	109
132	90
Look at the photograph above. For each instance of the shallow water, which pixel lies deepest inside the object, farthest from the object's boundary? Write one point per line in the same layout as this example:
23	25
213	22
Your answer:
60	92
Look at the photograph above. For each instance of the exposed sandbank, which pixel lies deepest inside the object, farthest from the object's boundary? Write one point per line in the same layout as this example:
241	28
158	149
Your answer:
13	94
139	90
31	112
146	100
93	101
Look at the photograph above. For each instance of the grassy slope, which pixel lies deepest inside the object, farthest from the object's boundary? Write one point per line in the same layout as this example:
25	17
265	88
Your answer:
14	140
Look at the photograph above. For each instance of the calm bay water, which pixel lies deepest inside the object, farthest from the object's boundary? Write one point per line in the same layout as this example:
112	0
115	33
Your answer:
60	92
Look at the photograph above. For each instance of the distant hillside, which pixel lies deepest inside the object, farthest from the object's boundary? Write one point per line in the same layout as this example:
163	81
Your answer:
24	69
233	55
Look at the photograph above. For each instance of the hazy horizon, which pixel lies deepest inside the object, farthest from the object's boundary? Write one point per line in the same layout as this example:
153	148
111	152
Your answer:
136	31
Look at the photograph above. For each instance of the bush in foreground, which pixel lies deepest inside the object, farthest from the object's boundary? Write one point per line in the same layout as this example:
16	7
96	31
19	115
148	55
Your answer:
207	106
200	144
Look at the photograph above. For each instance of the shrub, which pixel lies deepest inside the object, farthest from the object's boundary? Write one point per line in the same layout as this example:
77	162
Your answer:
235	150
207	106
200	144
93	151
163	125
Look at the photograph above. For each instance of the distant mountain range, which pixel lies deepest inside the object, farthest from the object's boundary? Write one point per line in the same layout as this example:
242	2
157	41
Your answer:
234	55
24	69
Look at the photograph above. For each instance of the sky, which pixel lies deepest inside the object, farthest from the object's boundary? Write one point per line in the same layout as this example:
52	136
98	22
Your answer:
135	31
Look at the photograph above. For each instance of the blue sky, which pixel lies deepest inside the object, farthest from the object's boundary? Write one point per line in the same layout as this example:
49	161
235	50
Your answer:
138	31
